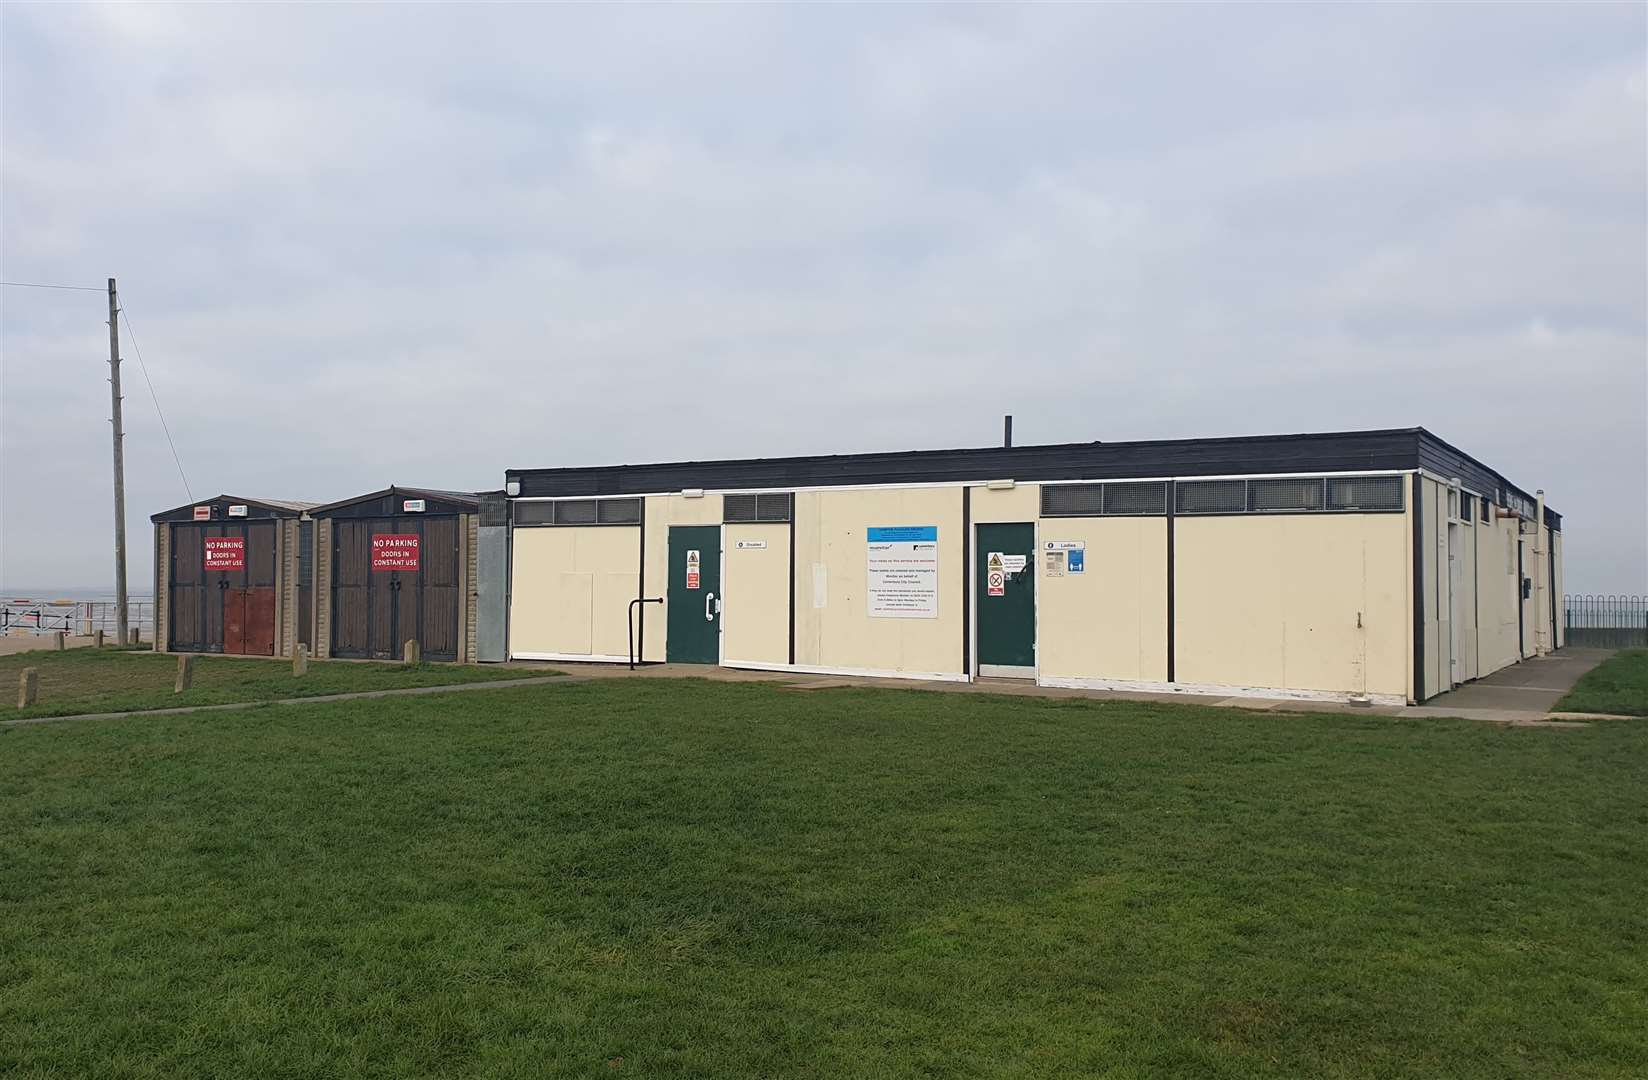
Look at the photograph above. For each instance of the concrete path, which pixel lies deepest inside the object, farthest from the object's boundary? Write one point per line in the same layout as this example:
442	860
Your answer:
1533	686
496	684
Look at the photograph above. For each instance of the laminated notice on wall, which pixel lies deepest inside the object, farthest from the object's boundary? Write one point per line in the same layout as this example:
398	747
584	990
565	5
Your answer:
1064	556
902	566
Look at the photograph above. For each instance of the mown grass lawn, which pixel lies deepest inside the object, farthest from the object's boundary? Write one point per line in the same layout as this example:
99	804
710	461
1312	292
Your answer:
115	680
696	879
1618	685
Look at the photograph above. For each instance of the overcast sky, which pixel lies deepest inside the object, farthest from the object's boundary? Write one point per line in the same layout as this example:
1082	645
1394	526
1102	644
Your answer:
418	245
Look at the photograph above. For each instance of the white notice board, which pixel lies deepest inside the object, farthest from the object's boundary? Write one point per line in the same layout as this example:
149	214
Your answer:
902	563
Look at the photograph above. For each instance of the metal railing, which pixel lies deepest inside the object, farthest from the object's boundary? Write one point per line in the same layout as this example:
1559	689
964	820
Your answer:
1606	621
76	618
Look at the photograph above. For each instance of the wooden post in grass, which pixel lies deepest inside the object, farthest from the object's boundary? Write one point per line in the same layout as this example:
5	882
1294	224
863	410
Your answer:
57	640
412	653
137	635
28	687
97	639
185	673
300	659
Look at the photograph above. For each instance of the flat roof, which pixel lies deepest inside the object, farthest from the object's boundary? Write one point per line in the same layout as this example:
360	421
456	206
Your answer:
1379	450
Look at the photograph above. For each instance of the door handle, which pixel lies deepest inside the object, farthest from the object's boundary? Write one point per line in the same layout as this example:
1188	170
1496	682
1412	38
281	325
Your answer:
709	607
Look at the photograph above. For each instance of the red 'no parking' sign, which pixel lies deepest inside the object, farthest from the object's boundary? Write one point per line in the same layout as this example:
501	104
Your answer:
225	553
394	551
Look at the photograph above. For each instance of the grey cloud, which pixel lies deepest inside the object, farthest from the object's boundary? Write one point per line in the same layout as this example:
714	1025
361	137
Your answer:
607	234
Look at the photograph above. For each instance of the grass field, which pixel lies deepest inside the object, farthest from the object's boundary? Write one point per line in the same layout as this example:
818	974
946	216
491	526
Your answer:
1618	685
115	680
697	879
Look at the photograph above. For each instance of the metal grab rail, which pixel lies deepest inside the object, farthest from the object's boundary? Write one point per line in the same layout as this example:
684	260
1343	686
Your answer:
631	616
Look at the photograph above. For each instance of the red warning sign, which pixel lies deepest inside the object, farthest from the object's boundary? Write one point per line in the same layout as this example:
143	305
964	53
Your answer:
225	552
394	551
692	569
997	583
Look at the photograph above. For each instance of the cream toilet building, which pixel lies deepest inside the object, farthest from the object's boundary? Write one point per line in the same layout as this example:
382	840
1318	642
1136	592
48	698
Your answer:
1379	565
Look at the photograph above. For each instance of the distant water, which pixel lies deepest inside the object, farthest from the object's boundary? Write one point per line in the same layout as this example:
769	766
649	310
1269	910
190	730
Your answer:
14	593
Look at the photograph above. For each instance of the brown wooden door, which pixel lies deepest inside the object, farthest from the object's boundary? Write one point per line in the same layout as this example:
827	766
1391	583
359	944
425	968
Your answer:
187	593
375	612
234	620
259	634
200	598
351	585
438	607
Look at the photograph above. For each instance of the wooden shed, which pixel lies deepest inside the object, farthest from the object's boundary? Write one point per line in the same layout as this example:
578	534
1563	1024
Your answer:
227	576
393	566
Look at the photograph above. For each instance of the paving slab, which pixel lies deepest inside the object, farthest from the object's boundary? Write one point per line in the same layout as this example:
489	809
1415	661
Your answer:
1532	687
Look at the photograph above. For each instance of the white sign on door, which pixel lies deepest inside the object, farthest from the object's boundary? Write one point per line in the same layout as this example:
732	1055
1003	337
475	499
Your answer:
902	568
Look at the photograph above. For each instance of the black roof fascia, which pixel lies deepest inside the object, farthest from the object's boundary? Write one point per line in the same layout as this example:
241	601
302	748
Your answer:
255	510
1327	452
1346	451
1444	459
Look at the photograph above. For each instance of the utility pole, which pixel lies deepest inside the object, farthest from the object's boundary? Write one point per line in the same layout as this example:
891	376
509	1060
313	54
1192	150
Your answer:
119	470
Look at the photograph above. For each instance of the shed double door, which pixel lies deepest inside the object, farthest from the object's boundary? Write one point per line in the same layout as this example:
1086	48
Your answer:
381	601
222	610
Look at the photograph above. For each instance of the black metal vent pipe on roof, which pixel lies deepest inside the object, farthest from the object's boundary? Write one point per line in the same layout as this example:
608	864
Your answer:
1007	430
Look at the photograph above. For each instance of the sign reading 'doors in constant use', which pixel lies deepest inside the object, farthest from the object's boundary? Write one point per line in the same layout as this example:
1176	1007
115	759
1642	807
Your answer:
903	572
225	553
394	551
412	506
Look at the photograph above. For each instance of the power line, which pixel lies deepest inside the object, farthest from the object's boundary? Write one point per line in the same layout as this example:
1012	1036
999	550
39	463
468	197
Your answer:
155	398
37	285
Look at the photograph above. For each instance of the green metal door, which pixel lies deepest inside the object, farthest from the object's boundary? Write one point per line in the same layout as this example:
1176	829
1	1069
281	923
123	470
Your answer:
1006	591
694	595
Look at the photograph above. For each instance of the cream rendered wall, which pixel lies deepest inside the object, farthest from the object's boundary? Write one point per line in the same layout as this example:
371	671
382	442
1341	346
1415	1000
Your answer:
1465	609
755	618
1021	502
833	628
662	511
1110	621
570	588
1273	601
1434	523
1496	594
1557	593
1530	563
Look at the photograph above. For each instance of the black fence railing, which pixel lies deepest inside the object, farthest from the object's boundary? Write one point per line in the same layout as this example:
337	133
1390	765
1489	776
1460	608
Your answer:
1606	621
